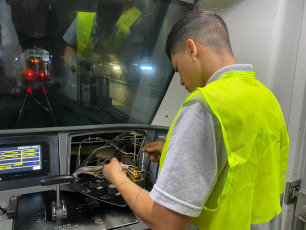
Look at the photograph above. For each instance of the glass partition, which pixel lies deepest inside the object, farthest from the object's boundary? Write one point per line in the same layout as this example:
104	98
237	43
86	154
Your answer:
74	62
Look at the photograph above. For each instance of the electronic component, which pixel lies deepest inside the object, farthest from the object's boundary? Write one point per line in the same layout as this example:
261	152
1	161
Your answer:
83	212
20	158
89	179
58	207
112	189
23	160
12	207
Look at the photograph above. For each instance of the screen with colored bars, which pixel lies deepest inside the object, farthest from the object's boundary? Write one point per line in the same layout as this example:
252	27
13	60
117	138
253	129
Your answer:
20	159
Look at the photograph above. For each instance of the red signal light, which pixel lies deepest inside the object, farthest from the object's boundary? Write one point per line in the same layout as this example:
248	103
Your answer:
42	74
30	74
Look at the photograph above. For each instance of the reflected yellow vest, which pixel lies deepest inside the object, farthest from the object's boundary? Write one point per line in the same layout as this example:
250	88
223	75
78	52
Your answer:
256	142
113	42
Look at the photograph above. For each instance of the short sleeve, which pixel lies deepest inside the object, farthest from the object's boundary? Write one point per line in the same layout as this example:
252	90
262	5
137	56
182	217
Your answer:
70	37
190	168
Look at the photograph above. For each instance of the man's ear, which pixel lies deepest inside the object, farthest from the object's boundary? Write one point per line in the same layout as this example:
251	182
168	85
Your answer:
192	49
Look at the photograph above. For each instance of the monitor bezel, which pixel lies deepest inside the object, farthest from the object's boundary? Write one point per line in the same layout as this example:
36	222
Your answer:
51	138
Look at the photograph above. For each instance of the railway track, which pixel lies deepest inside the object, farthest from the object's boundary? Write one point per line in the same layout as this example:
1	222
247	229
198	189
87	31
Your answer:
40	107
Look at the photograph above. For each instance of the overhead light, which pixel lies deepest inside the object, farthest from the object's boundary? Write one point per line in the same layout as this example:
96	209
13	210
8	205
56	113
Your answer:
146	68
116	67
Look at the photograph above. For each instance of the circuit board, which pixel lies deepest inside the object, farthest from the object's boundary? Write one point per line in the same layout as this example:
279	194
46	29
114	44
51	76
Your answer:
93	153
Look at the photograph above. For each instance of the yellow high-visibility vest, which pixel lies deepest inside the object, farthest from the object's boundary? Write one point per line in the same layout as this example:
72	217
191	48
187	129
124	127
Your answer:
113	43
256	143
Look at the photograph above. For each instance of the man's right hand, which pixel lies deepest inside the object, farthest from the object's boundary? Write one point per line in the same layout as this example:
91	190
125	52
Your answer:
153	150
69	54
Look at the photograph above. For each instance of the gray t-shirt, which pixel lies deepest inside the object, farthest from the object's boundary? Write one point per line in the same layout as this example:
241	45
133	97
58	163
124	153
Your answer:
70	37
195	155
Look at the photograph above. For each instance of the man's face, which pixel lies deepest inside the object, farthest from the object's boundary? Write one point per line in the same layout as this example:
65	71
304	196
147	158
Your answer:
189	74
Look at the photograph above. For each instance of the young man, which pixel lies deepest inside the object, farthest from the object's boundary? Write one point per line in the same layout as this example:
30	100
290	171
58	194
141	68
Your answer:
224	162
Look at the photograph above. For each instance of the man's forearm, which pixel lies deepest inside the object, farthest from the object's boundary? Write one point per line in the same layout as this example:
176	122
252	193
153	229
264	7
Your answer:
152	214
156	216
137	198
69	53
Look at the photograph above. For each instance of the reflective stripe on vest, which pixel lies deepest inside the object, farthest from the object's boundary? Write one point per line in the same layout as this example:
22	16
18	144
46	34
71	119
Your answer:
113	42
84	28
256	142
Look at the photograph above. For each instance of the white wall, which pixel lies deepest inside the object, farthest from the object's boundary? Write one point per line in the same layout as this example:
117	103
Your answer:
171	103
296	126
263	33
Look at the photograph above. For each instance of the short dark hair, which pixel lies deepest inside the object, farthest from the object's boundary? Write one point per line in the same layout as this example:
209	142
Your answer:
109	10
205	27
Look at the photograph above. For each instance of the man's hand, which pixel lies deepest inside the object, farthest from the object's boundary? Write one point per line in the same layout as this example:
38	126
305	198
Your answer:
153	214
153	150
114	172
69	54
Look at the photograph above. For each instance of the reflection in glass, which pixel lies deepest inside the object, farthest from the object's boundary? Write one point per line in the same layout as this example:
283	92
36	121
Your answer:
67	63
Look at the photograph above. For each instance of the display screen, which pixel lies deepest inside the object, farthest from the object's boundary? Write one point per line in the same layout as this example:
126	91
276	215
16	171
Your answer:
66	63
19	161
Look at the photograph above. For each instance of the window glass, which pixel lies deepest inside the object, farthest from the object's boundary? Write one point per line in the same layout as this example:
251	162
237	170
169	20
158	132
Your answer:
75	62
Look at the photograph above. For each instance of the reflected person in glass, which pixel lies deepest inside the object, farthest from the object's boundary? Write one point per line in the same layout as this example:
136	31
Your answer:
89	30
100	34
